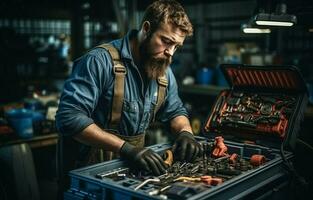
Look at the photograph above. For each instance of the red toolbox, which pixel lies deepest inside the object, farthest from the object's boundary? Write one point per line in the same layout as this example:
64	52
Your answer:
259	117
265	105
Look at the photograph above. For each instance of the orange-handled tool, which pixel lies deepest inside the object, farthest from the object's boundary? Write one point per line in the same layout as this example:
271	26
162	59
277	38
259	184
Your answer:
169	157
209	180
257	160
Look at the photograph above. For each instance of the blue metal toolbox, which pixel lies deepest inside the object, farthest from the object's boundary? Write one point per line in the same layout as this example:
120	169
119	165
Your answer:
259	117
264	180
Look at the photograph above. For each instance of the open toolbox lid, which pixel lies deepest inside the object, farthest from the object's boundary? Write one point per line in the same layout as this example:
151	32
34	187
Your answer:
273	78
284	81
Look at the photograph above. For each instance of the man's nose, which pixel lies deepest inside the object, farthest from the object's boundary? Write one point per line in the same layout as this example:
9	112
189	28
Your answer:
169	51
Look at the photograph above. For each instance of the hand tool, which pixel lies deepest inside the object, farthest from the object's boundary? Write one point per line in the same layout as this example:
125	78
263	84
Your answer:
158	191
205	157
233	101
169	157
220	148
236	124
155	180
257	160
209	180
233	158
187	178
266	109
112	173
221	159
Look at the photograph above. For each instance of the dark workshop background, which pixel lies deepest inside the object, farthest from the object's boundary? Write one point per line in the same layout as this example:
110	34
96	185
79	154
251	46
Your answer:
40	39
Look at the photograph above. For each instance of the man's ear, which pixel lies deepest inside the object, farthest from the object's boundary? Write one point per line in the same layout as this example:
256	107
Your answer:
146	28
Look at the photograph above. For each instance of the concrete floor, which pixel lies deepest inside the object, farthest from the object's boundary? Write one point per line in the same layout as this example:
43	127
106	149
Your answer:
47	189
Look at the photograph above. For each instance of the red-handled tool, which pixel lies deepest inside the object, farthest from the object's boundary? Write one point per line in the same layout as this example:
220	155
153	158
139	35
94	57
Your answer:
257	160
220	149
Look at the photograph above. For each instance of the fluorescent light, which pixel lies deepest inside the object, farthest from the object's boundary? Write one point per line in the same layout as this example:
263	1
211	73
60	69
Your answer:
249	28
273	23
256	30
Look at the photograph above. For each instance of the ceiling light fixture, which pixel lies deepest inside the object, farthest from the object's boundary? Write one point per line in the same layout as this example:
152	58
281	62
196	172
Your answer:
248	28
279	18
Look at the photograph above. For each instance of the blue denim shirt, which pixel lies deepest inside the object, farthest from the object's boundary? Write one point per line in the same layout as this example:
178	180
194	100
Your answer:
87	94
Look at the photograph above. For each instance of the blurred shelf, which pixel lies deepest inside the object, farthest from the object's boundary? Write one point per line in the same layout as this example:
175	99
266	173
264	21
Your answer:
201	89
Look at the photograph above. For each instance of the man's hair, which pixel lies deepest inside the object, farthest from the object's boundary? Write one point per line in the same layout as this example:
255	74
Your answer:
167	11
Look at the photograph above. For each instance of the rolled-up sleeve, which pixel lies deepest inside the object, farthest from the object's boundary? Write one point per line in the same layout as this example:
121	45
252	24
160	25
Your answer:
81	93
173	105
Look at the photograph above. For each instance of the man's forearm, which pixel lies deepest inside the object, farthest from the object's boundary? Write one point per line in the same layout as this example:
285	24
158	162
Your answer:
179	124
94	136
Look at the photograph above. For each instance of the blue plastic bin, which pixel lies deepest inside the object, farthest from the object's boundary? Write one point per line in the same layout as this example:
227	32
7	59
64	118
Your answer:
21	121
204	76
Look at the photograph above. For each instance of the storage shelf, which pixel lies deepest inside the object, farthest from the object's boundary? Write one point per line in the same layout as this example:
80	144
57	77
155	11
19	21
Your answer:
201	89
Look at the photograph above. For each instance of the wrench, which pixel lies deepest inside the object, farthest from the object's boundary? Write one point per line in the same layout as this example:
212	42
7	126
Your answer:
156	180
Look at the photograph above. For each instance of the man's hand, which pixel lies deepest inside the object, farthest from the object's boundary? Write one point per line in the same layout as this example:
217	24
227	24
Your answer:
143	158
186	147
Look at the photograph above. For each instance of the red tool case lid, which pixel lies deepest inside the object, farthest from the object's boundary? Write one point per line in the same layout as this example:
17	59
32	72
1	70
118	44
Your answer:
278	80
272	78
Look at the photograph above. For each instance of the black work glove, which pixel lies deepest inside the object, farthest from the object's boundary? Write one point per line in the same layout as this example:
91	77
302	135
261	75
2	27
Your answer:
143	158
186	148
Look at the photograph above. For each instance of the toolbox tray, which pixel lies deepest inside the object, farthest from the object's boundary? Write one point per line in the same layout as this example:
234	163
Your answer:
267	89
263	180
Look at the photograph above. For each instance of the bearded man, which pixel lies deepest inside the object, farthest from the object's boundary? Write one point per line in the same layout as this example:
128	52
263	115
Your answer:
85	111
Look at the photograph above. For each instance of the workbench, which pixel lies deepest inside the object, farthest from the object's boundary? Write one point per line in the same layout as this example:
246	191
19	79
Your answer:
34	142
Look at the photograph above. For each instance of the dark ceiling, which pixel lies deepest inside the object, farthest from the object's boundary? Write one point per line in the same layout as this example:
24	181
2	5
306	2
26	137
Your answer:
103	9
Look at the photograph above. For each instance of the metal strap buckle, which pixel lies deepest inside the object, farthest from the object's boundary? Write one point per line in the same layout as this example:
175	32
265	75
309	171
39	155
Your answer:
120	69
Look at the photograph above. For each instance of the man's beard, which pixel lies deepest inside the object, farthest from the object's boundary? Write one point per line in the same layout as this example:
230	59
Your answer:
154	67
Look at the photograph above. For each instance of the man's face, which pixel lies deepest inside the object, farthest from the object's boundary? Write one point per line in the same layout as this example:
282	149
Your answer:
158	48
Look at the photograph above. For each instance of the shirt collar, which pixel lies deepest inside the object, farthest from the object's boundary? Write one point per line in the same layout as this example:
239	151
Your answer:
125	45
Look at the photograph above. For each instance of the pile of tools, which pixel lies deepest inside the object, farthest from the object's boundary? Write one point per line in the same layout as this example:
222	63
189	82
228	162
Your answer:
257	113
183	179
